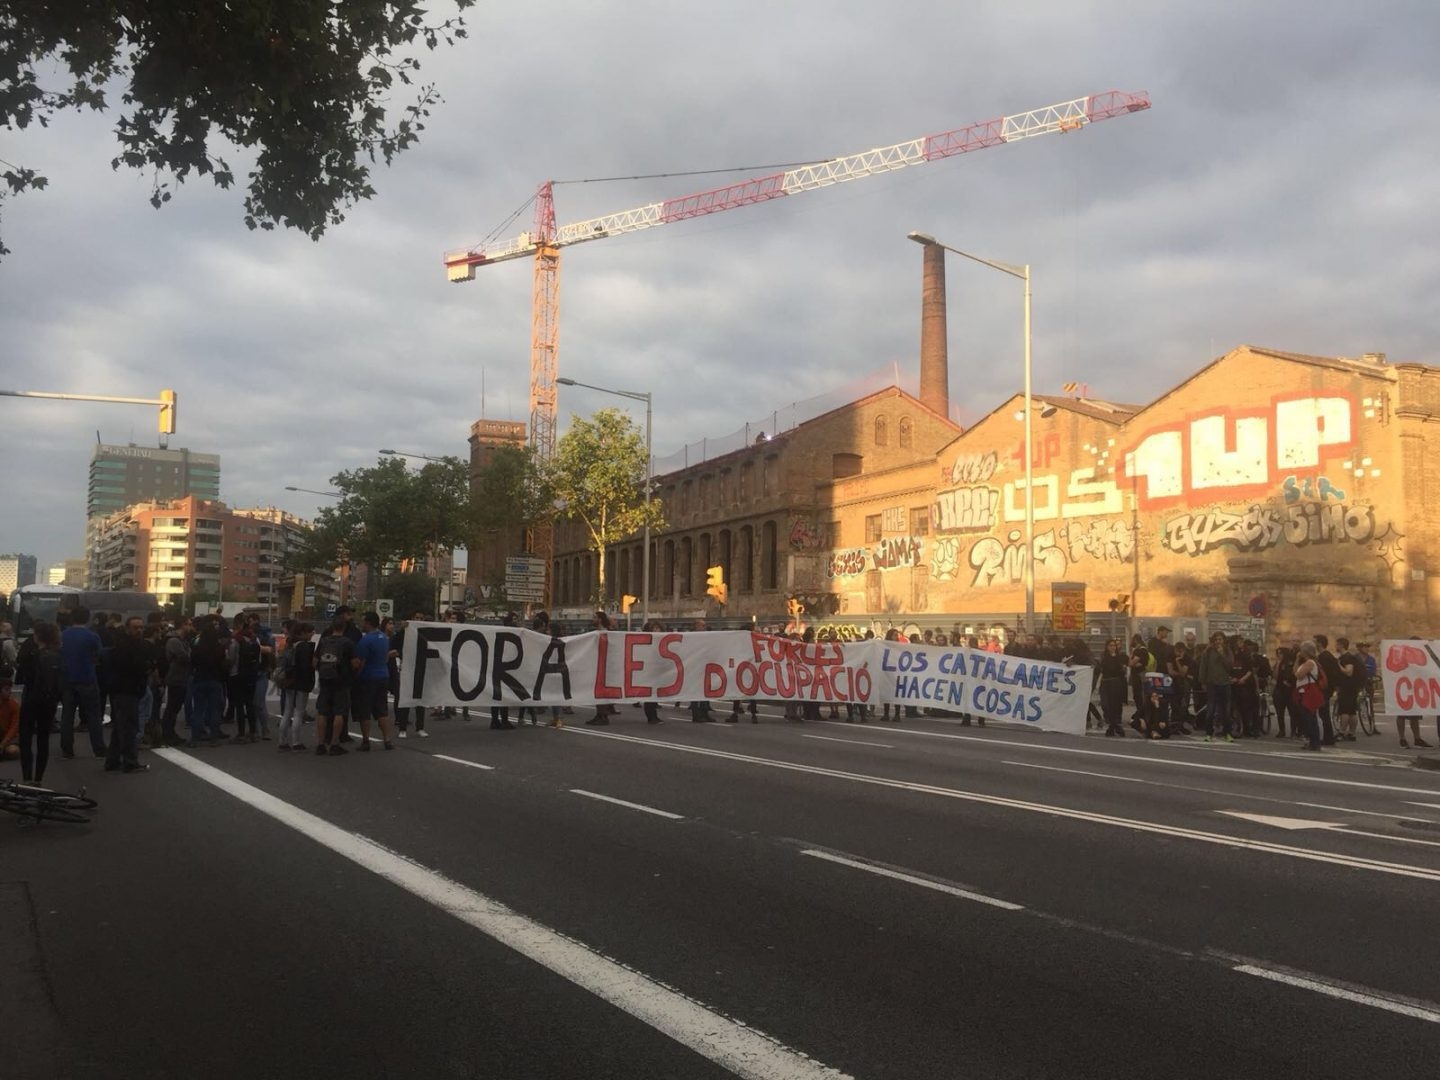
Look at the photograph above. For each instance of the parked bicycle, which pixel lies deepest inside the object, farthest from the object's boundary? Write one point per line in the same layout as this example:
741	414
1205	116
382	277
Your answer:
1365	707
36	804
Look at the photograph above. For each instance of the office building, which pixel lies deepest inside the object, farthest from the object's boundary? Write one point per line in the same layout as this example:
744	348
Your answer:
16	571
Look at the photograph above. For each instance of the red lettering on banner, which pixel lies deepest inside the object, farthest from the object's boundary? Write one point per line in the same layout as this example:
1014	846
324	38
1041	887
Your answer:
1420	695
666	648
632	665
602	688
714	681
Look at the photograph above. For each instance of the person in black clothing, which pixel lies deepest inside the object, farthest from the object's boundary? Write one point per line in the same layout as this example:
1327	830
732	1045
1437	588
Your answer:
1347	692
129	666
1284	693
1164	654
1244	693
334	674
500	715
1333	676
397	646
1139	662
297	676
353	634
38	669
1114	667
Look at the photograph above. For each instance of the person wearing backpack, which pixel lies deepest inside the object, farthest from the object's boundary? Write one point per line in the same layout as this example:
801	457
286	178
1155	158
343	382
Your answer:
296	675
1329	681
334	672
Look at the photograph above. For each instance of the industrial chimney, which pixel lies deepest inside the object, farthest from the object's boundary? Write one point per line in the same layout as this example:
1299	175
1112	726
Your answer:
934	358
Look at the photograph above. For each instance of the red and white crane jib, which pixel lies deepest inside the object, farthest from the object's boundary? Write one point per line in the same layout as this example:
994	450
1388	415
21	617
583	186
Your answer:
1066	116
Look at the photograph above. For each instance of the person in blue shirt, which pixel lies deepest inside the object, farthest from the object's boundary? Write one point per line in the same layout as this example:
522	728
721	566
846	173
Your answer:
372	686
80	649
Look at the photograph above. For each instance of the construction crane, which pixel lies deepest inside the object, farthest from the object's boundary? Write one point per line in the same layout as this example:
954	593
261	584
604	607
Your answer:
545	240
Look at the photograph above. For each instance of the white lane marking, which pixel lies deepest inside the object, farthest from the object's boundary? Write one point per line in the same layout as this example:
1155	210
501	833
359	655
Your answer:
1362	997
853	742
1227	794
631	805
730	1044
1427	805
1162	761
462	761
1307	854
871	868
1293	824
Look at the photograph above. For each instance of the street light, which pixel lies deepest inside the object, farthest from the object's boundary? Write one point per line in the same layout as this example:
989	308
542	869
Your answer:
1023	273
635	395
314	491
345	566
406	453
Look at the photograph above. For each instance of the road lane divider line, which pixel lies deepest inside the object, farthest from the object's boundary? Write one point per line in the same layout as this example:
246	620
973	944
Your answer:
912	879
1135	825
1227	794
462	761
738	1047
852	742
1160	761
630	805
1360	996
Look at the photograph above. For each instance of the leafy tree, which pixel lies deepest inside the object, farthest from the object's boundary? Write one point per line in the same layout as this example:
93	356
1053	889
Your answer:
411	592
389	513
511	490
303	84
598	478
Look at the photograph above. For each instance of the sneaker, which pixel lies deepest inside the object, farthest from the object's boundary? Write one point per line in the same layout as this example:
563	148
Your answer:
364	746
422	734
322	749
404	735
337	750
1209	738
1418	742
347	737
389	746
299	747
1229	738
282	747
136	767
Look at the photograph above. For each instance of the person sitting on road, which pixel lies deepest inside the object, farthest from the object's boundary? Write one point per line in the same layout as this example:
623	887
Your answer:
9	723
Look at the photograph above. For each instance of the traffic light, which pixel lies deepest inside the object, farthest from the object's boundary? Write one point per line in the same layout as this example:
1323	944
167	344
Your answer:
794	607
626	603
715	583
1121	604
167	412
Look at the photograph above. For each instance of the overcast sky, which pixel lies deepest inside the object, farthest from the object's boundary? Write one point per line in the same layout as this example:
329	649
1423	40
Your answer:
1283	191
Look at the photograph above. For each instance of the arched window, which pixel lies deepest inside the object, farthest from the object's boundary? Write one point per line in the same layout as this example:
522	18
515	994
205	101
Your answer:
906	432
882	431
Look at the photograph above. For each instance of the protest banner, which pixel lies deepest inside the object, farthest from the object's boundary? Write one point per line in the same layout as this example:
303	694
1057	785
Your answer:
1410	674
449	664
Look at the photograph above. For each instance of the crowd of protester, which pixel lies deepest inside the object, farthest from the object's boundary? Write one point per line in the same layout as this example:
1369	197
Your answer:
218	672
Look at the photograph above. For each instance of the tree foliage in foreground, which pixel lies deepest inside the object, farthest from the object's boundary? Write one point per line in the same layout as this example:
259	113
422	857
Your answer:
304	84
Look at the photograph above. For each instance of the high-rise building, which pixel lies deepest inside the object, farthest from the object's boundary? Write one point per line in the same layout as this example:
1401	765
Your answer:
71	572
15	572
121	476
201	548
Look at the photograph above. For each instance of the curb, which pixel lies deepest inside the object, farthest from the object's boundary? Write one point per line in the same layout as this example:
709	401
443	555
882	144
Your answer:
1427	761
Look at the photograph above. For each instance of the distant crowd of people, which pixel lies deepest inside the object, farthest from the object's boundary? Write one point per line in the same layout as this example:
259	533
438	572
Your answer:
217	672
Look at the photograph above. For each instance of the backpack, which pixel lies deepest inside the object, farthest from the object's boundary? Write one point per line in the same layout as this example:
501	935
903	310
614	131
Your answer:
249	665
328	657
1320	680
285	671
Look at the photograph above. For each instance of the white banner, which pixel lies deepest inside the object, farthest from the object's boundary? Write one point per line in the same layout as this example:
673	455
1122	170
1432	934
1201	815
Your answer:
1410	673
459	665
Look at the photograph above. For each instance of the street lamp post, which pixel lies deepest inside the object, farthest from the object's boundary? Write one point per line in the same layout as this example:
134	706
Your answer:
1023	273
635	395
345	566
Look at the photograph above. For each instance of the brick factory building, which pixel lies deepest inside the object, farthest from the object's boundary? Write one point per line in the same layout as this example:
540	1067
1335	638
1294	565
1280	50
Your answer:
1304	490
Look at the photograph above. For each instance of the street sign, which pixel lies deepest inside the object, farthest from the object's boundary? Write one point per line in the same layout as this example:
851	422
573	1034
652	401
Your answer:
525	579
1067	607
385	608
330	609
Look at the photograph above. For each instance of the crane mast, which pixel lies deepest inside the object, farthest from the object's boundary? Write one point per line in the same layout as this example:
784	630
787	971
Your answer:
545	241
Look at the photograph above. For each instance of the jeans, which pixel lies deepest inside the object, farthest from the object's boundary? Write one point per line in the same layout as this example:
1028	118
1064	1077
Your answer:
1217	697
124	730
176	695
292	720
86	698
36	716
204	717
262	714
242	693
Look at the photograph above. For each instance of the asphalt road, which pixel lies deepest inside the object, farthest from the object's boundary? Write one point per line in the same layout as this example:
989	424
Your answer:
775	900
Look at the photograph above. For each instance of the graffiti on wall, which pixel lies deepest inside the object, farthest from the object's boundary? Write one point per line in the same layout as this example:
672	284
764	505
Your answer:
968	509
805	534
1108	541
1312	487
1002	562
945	558
1237	451
970	469
850	562
895	552
1260	528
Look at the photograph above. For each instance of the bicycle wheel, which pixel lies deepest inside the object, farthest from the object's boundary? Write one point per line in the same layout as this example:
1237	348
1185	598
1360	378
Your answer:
41	810
1366	712
58	798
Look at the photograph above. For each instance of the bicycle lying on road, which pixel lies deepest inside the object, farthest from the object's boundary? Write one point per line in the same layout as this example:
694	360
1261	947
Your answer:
37	804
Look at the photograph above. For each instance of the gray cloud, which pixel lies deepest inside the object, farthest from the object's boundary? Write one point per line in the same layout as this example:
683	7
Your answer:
1281	192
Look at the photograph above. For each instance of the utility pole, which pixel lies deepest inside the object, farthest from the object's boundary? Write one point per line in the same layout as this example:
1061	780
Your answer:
166	401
